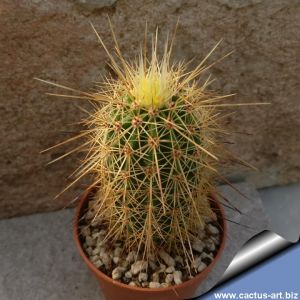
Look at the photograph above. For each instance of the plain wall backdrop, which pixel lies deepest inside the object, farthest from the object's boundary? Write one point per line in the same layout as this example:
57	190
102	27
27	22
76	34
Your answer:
53	40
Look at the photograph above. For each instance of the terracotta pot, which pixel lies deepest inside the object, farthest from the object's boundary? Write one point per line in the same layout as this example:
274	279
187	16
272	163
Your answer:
114	290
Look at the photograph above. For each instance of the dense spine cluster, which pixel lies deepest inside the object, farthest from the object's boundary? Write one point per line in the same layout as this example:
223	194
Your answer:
152	149
153	169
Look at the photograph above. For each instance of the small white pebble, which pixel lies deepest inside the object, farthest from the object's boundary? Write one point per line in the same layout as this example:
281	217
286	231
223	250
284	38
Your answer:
116	260
201	266
198	245
117	273
132	283
102	232
95	235
89	250
152	265
205	255
106	259
89	215
100	242
85	231
98	263
216	240
211	218
154	285
143	277
91	203
145	284
138	266
201	234
214	217
90	242
210	245
196	263
169	278
102	251
117	252
179	259
151	257
170	269
167	258
95	223
96	251
128	275
162	268
177	277
155	277
94	258
164	284
212	229
124	264
131	257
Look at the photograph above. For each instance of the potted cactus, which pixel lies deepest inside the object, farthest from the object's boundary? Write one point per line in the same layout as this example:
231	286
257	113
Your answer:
150	226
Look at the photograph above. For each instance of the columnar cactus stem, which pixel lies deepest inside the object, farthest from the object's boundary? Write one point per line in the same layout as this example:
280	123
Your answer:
153	152
152	149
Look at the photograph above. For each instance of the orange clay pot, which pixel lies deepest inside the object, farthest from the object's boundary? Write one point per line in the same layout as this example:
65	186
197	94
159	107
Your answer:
114	290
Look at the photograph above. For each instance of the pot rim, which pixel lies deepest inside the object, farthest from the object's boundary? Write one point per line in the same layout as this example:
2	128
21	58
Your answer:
198	277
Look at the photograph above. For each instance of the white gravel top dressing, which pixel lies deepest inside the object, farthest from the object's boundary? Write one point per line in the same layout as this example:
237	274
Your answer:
129	268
